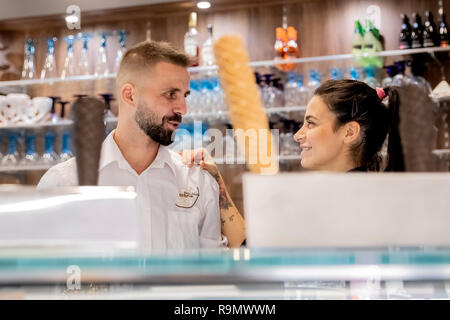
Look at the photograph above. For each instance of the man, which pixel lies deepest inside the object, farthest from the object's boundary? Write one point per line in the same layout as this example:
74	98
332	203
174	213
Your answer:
179	206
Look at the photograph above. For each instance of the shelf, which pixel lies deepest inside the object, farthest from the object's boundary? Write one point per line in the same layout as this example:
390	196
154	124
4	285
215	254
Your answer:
60	123
389	53
442	153
37	125
50	81
241	161
209	115
255	64
40	167
215	115
22	168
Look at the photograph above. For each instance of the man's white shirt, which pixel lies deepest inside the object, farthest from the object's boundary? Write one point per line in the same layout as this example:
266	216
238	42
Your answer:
178	206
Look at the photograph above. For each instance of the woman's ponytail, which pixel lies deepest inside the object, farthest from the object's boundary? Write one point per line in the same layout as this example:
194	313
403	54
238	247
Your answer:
395	151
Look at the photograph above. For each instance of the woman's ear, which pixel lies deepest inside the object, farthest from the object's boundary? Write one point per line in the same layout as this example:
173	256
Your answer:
352	131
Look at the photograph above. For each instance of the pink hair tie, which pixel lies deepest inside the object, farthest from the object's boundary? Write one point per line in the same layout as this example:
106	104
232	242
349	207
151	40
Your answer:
381	94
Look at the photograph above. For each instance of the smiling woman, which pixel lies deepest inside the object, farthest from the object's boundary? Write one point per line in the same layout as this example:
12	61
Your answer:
346	124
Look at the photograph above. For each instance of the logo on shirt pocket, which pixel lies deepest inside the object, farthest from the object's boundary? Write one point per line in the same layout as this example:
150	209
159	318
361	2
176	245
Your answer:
187	197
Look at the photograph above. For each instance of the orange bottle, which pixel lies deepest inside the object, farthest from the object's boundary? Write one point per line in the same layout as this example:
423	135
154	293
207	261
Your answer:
291	49
280	44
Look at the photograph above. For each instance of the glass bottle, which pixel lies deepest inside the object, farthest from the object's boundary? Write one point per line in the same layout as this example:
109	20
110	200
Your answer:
372	45
49	69
280	43
405	33
207	57
443	32
391	73
191	43
302	92
430	35
291	49
290	91
417	32
370	77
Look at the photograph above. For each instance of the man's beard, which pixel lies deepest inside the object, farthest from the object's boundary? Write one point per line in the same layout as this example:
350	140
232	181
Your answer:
147	120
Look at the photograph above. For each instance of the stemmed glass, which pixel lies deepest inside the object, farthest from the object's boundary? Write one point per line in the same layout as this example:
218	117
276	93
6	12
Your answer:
101	65
31	155
69	62
49	156
83	61
49	70
121	51
12	157
28	71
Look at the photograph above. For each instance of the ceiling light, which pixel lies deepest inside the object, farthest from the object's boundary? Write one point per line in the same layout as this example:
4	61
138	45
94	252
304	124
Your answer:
203	4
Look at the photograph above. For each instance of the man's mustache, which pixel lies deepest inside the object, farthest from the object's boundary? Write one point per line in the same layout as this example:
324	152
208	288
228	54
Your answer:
176	117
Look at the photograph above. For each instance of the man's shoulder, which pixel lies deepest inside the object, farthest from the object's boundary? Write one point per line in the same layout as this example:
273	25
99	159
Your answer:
61	174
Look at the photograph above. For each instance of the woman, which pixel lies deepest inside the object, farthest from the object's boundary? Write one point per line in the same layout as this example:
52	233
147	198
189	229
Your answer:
345	126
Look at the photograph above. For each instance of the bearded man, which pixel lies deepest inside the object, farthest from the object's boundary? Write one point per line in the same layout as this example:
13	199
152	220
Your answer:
178	205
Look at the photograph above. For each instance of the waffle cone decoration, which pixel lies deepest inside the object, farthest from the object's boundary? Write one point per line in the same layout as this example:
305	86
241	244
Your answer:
89	132
244	102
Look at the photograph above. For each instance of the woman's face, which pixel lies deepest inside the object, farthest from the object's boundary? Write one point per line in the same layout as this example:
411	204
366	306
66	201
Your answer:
322	147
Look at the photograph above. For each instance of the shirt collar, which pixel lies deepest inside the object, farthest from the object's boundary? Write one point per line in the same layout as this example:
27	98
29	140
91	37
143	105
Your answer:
111	153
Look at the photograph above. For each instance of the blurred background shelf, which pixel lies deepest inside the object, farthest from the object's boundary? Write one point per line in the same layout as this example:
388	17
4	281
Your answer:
443	154
113	120
23	168
254	64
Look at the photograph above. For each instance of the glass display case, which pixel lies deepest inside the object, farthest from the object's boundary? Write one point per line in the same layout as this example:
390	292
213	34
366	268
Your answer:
108	273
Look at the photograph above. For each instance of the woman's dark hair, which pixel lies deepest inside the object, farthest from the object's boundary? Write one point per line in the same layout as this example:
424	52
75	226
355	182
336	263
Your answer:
352	100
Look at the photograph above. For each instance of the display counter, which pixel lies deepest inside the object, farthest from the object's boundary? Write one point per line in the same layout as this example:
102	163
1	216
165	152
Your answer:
106	273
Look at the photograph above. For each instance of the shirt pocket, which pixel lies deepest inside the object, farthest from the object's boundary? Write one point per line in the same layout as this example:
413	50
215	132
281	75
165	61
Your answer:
183	229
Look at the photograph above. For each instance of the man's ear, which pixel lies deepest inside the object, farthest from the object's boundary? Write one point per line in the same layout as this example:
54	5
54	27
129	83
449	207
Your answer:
128	94
351	132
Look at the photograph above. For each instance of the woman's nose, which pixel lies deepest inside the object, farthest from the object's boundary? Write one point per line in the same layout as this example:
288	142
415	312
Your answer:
299	135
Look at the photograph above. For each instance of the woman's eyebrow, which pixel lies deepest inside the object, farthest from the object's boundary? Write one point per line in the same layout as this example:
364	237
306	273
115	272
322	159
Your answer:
310	117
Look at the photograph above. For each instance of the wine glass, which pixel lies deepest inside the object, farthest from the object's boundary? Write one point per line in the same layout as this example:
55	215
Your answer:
83	62
49	69
69	62
28	71
121	50
101	65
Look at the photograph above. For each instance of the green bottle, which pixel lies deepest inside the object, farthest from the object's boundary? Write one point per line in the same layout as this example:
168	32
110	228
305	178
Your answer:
372	44
358	42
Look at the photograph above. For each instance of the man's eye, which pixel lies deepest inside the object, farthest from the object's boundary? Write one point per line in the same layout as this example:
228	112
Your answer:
309	123
171	95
